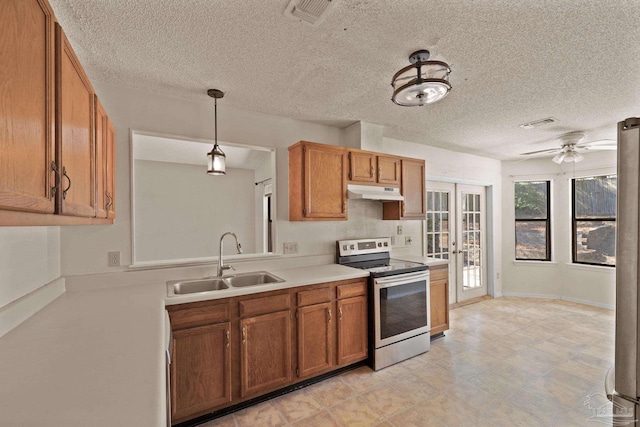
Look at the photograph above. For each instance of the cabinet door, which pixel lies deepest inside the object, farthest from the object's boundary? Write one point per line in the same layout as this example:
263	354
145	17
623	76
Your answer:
352	329
27	107
388	170
200	370
105	150
265	352
75	150
439	298
413	189
325	189
362	166
314	339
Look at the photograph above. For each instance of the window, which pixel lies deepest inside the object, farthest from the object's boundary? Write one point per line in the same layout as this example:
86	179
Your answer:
438	224
533	220
593	206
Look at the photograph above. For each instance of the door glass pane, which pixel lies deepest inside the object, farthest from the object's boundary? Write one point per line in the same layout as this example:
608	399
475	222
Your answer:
429	200
471	244
437	222
403	308
445	222
429	221
436	201
445	201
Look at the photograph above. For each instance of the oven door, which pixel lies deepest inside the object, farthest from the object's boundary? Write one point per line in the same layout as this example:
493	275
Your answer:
401	307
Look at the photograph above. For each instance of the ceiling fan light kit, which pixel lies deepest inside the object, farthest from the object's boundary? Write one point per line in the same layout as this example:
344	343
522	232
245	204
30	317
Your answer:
422	82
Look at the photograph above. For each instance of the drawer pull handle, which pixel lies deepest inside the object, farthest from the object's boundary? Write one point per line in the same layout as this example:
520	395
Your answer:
340	313
329	316
109	203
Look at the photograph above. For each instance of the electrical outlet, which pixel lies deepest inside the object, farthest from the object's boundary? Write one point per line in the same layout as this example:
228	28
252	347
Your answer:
399	230
393	240
114	259
407	240
291	248
497	276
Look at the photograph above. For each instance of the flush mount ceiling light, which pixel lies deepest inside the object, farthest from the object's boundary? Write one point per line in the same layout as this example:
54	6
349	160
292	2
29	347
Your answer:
217	158
422	82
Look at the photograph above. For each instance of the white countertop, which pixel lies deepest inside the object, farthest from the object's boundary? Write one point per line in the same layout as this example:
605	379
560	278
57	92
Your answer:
96	357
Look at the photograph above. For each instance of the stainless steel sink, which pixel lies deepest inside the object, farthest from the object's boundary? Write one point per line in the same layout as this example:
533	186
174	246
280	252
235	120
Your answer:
196	286
252	279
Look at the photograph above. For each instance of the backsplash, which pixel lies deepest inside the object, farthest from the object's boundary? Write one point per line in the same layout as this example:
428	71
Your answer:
365	220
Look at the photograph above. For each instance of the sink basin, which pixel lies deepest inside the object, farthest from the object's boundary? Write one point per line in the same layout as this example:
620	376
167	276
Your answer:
196	286
252	279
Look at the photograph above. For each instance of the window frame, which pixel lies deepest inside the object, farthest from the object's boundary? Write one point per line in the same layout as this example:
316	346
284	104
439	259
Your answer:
547	221
574	222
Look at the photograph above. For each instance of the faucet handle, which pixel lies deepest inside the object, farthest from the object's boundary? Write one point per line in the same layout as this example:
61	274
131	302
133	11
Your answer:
228	267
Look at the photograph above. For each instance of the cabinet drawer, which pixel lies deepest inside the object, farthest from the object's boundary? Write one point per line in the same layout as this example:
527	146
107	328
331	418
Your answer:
439	272
197	316
264	305
351	290
314	296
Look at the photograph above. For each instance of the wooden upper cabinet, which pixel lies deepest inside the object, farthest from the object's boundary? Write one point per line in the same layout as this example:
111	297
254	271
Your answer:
201	378
75	147
27	107
105	163
315	353
317	182
370	168
413	189
362	166
389	170
265	352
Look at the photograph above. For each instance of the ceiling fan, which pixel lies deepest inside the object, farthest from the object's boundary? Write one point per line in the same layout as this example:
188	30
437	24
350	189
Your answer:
571	147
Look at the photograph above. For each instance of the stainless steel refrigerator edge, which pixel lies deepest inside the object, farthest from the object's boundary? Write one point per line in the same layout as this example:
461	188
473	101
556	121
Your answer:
627	361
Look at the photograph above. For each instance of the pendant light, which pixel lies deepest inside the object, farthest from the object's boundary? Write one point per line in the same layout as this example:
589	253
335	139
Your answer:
422	82
217	158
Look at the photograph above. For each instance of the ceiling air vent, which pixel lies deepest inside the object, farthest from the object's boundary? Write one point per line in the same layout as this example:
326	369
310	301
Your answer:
309	11
538	123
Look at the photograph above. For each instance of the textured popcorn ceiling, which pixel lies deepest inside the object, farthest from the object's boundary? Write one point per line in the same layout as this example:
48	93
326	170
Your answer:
512	61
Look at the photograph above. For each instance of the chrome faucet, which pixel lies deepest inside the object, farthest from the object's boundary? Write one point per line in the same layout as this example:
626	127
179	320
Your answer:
221	266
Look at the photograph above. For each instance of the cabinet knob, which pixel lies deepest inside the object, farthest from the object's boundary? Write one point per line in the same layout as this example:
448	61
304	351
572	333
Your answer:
244	335
329	315
340	313
227	333
344	206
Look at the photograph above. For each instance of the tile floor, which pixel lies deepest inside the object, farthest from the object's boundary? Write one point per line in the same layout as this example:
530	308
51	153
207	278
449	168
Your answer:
505	362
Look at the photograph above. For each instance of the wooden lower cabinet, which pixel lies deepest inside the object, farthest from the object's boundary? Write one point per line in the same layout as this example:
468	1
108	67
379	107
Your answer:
352	329
230	350
265	352
201	378
439	298
314	324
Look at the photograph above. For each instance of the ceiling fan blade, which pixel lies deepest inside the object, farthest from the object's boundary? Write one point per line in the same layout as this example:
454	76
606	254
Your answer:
552	150
599	148
598	143
558	158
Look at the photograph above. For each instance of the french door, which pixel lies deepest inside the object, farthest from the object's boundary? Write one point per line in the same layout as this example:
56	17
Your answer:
456	230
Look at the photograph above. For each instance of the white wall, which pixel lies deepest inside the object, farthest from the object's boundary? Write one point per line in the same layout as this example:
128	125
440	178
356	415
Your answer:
181	212
84	249
29	258
560	278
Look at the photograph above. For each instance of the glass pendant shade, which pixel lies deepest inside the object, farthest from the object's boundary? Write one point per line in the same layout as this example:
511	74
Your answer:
217	161
422	82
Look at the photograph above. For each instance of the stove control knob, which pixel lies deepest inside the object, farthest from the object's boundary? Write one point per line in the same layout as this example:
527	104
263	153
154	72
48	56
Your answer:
344	247
352	247
386	244
379	244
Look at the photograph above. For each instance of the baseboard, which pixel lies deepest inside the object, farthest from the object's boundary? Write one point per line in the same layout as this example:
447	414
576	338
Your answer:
16	312
559	297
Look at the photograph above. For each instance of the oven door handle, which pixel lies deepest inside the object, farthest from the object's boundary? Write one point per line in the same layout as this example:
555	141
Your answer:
403	277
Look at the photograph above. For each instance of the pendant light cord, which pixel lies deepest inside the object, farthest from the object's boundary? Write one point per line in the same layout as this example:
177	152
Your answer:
216	120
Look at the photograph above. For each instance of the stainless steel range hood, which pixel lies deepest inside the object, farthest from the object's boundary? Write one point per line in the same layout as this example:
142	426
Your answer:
372	192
